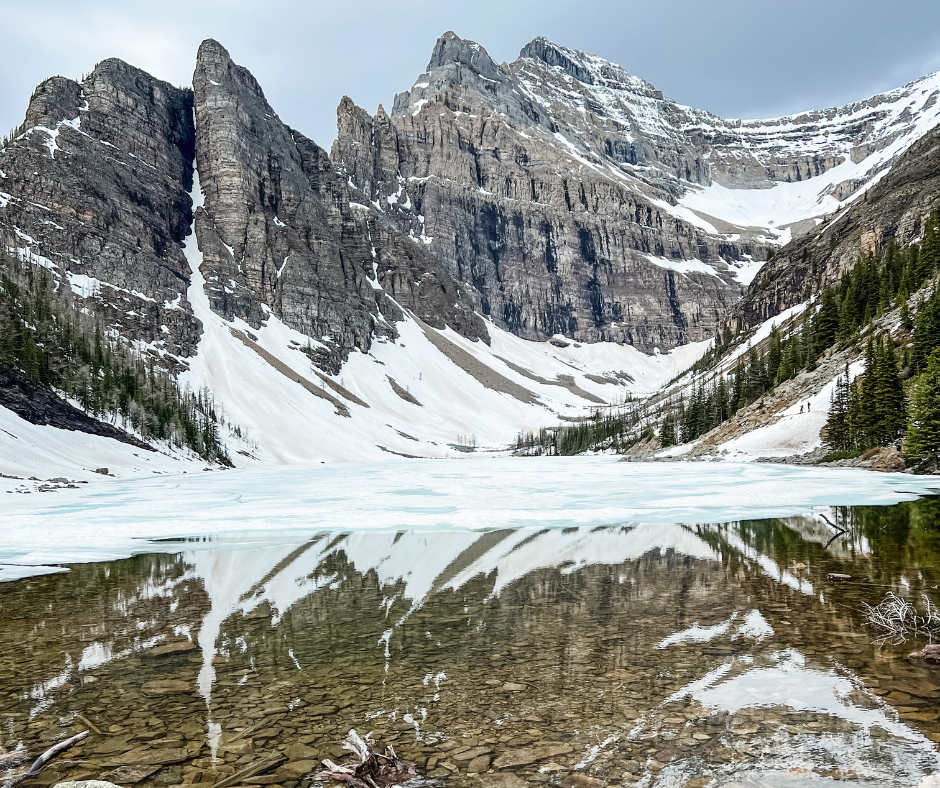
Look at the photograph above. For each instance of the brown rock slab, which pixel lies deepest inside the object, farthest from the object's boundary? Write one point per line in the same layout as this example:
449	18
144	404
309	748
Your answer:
526	755
116	744
171	648
511	686
294	770
300	752
160	757
479	764
469	755
504	780
167	687
130	775
319	711
578	780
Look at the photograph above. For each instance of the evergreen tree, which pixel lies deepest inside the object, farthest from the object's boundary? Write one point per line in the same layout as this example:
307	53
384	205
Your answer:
838	435
889	395
923	432
826	323
667	433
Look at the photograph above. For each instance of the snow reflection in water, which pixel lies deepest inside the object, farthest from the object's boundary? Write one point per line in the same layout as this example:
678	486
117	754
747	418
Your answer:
640	652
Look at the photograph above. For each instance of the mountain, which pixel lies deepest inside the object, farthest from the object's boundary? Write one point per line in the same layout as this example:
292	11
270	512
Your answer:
512	245
577	200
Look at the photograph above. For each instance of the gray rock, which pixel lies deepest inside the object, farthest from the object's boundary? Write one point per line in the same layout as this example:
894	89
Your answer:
98	180
86	784
280	233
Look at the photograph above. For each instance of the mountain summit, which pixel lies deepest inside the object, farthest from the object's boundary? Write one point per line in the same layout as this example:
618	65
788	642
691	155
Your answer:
530	239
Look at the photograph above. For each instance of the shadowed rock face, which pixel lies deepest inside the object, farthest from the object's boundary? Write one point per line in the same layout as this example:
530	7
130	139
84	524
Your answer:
550	185
282	234
97	183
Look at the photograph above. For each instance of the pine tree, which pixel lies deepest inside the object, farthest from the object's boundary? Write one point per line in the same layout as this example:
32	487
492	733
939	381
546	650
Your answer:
825	323
923	432
889	395
926	330
848	314
774	354
667	433
838	435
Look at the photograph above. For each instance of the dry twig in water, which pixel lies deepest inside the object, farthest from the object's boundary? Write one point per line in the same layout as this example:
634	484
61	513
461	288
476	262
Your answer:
375	769
897	619
43	759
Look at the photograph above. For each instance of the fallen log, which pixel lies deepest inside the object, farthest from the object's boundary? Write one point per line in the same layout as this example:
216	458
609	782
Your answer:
47	756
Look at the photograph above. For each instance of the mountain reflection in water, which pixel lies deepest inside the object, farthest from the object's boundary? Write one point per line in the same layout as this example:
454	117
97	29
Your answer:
665	655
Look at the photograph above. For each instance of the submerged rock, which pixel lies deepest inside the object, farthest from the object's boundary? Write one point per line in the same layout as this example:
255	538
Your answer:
929	653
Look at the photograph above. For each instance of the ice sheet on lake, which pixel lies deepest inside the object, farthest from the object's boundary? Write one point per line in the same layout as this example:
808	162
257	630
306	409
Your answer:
288	505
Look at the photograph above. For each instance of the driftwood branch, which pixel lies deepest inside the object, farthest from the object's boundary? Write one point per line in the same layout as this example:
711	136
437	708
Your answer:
47	756
839	530
375	769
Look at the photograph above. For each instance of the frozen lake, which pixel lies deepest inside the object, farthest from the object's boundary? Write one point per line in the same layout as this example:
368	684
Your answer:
113	519
502	623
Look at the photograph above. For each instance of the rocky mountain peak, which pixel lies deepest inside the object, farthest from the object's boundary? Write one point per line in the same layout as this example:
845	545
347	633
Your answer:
54	100
542	49
451	49
215	66
586	68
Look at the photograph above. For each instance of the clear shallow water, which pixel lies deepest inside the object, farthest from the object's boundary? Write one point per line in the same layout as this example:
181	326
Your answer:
656	654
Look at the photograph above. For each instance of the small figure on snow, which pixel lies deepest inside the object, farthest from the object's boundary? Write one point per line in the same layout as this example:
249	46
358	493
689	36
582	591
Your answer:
807	406
801	408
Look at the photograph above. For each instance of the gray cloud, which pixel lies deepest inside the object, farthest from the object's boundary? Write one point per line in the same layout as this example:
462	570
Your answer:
738	58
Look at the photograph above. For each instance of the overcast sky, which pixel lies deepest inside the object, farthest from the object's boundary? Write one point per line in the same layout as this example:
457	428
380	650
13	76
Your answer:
737	58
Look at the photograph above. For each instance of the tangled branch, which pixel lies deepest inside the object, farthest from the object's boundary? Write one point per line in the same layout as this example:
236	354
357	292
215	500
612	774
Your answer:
896	619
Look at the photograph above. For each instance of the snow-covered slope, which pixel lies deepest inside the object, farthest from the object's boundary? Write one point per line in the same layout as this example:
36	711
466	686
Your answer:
431	393
729	175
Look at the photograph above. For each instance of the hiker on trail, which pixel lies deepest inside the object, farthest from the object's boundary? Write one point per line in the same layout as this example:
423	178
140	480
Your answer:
801	407
807	406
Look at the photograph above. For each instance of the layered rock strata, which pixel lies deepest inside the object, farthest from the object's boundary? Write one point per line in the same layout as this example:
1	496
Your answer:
552	186
281	233
95	186
553	242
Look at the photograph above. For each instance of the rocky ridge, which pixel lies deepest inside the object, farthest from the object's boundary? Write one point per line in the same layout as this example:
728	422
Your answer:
95	187
558	197
554	186
281	234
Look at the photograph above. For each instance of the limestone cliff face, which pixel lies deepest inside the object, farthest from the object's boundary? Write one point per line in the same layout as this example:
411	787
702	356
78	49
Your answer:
553	186
282	234
553	239
95	186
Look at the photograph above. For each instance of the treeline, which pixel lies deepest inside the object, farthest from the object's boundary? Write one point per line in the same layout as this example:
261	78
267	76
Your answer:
54	345
873	286
612	431
875	410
